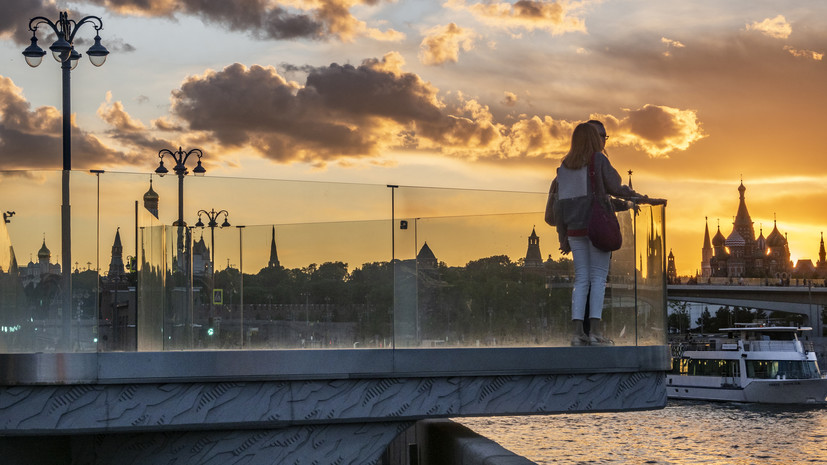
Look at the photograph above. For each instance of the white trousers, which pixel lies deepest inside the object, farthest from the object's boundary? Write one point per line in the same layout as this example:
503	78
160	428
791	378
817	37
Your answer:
591	266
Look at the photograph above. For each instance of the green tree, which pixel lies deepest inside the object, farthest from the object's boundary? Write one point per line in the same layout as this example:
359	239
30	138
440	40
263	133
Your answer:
678	319
706	322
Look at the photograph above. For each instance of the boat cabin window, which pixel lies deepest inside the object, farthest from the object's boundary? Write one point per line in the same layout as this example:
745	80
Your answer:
783	369
695	367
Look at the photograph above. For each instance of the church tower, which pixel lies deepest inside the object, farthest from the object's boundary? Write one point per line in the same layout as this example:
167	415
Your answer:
274	255
744	226
671	270
425	259
778	253
533	257
116	268
706	252
821	266
44	257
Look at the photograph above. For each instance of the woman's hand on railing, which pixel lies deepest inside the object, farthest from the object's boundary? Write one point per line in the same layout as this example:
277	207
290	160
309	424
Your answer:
648	200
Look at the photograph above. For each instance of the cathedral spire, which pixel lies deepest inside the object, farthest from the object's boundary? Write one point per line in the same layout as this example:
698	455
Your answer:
822	254
707	242
274	255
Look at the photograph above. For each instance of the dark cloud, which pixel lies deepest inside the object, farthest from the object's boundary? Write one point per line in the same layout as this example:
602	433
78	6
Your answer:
16	15
32	139
262	18
342	110
346	111
14	22
256	16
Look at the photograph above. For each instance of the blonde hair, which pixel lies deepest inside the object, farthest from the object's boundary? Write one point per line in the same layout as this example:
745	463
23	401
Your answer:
585	141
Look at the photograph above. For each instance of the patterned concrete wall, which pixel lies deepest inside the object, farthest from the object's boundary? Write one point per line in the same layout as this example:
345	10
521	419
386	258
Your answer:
326	421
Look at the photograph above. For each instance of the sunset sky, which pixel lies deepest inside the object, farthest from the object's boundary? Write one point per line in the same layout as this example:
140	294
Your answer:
696	96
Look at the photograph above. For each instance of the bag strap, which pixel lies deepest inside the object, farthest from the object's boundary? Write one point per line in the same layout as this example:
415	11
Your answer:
592	176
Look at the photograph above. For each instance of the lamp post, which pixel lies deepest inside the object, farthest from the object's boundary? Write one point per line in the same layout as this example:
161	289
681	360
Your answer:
241	278
212	215
64	52
180	170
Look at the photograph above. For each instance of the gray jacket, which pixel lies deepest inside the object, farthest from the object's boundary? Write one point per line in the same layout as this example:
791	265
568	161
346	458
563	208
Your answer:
570	197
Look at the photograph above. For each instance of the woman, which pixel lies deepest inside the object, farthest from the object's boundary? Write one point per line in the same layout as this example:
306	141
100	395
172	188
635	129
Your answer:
571	210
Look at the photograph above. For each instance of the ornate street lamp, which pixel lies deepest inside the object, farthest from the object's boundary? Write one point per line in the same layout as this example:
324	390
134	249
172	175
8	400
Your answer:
64	52
212	215
180	169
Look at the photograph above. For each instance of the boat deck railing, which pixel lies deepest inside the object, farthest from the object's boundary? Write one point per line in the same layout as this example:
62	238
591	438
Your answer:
732	345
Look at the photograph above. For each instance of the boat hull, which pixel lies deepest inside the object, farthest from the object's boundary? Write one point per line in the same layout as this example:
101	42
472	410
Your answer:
767	391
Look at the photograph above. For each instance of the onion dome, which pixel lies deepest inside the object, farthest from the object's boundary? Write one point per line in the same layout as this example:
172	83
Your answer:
44	252
775	239
151	199
719	239
735	239
761	242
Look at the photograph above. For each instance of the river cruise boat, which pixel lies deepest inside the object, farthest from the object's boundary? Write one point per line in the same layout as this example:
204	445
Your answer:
747	363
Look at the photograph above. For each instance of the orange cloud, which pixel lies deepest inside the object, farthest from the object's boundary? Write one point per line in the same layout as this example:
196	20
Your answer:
443	43
556	17
670	44
777	27
510	99
804	53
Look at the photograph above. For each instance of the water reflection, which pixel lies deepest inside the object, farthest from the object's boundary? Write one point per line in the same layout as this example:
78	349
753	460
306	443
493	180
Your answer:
682	433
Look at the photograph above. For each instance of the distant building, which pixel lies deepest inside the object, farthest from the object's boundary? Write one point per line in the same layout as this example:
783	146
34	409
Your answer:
425	259
34	273
274	255
201	264
533	257
741	255
671	270
805	268
654	253
117	304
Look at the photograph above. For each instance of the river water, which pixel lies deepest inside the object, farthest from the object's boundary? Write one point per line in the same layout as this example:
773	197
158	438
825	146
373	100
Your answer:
684	432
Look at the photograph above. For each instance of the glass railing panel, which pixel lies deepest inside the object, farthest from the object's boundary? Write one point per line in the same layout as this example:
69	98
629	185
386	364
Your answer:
151	287
651	285
619	319
33	312
296	286
468	273
347	275
268	201
482	281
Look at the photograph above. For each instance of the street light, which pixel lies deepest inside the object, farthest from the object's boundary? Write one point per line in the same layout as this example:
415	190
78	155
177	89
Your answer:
212	215
64	52
180	170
